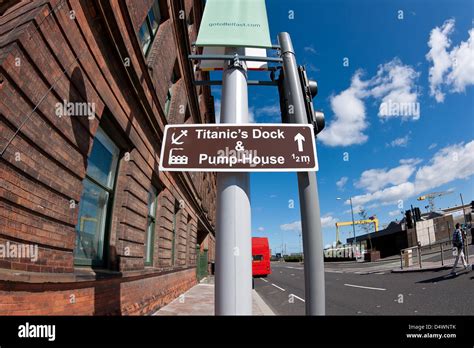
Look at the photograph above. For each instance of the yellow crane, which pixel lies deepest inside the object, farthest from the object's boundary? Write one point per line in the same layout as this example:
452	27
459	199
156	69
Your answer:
371	220
431	197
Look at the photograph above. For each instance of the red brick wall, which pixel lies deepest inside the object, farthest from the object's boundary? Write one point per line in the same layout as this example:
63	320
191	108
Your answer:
103	297
50	56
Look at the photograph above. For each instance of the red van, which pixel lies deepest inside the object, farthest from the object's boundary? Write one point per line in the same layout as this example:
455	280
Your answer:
260	257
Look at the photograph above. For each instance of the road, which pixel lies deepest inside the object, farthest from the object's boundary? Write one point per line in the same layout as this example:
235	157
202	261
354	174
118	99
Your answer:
381	293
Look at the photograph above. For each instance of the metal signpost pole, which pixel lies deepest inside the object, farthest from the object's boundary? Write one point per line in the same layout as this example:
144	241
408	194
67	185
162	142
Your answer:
353	222
233	288
308	192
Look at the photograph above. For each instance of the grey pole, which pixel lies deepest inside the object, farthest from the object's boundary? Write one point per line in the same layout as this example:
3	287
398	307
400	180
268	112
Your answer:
466	246
353	222
308	192
233	280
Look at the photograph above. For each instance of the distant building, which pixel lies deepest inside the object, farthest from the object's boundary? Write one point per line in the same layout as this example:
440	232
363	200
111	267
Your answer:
94	83
388	241
433	227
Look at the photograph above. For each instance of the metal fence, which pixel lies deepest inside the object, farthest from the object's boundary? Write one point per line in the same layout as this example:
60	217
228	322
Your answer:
417	252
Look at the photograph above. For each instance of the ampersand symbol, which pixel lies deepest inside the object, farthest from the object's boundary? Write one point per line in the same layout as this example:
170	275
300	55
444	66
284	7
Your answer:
239	146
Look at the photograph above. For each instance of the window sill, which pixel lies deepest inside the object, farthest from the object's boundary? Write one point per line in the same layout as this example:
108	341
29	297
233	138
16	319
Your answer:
84	274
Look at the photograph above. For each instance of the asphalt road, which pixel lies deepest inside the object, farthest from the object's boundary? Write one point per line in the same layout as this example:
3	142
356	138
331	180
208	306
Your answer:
383	293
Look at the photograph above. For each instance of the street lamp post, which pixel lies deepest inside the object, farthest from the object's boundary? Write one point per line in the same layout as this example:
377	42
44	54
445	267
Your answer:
352	214
353	225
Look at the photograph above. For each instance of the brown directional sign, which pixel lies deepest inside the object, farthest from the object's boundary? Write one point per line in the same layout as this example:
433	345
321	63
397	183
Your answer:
239	148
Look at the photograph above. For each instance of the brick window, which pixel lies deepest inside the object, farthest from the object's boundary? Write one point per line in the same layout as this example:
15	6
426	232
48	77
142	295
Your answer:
169	96
151	223
96	201
149	27
190	20
176	217
5	5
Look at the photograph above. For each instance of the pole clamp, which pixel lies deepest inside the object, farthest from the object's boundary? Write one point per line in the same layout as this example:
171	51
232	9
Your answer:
236	62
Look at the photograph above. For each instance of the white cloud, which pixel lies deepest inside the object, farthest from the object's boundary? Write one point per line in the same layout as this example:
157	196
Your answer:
328	221
450	163
412	161
388	195
261	229
293	226
310	49
342	182
432	146
400	142
394	213
462	72
271	111
393	85
375	179
451	69
349	117
251	115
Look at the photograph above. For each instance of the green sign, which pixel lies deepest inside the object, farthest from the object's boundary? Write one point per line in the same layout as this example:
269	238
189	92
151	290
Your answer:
231	23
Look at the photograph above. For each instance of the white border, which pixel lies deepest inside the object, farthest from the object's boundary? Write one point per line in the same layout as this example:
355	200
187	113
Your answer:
238	170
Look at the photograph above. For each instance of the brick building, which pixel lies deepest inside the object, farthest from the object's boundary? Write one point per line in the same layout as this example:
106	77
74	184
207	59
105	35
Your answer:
86	88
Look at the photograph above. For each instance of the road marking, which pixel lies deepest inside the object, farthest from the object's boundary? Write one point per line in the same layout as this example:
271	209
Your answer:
292	274
365	287
276	286
266	281
299	298
379	273
333	271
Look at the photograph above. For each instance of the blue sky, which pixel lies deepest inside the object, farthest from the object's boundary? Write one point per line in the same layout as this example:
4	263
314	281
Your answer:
424	59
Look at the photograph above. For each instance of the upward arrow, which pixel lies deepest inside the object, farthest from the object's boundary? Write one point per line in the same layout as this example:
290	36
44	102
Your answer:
299	139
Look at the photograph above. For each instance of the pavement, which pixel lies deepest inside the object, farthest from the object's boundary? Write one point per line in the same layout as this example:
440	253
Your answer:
352	288
199	300
431	260
376	291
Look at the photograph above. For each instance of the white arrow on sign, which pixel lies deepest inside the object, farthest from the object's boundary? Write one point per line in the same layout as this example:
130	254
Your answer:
299	139
175	141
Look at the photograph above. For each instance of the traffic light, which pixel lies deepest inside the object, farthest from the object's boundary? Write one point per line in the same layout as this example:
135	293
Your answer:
408	218
284	105
310	90
417	214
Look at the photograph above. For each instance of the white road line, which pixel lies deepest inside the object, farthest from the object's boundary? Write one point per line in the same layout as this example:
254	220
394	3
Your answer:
365	287
266	281
276	286
334	271
292	274
299	298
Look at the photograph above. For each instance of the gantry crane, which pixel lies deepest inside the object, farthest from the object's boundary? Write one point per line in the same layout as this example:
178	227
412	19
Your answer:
431	197
371	220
